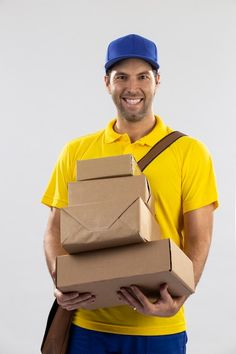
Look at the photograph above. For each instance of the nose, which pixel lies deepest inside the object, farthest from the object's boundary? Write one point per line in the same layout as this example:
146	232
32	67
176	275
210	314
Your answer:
132	85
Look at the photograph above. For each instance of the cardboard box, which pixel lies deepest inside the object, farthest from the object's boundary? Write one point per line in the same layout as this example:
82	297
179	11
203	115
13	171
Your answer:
99	190
112	166
106	224
147	265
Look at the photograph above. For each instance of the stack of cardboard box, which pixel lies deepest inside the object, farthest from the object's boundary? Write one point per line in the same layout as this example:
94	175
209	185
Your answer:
112	237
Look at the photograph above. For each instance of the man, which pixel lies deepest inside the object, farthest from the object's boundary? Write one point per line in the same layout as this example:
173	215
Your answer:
183	184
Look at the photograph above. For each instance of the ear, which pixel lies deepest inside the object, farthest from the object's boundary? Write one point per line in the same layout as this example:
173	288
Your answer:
158	79
107	83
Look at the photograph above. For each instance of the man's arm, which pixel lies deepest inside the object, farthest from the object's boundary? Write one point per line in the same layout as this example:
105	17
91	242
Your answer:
52	245
53	248
198	233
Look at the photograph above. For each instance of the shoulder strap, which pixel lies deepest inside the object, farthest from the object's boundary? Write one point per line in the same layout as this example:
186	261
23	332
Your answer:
158	148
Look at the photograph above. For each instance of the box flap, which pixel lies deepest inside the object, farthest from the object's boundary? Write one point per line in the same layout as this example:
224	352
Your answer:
100	215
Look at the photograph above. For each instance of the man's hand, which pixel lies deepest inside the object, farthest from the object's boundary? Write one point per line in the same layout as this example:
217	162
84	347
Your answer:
73	300
164	306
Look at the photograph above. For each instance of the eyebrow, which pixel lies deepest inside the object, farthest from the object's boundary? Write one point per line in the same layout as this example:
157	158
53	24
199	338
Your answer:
123	73
120	73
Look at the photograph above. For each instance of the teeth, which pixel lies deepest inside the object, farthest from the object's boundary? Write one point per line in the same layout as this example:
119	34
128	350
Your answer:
133	101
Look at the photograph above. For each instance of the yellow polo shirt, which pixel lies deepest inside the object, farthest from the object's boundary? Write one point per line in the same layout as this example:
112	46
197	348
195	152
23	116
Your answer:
181	178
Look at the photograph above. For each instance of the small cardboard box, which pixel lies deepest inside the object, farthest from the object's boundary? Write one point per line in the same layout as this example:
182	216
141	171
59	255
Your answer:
99	190
147	265
106	224
112	166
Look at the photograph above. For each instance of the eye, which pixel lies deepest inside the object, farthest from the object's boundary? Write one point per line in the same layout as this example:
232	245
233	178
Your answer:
120	77
143	77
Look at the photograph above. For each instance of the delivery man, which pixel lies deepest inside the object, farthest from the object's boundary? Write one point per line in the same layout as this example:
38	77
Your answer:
183	185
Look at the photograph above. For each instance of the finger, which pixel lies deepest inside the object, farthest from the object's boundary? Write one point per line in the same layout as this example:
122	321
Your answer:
79	300
123	298
140	296
85	296
81	304
72	300
65	296
129	299
164	293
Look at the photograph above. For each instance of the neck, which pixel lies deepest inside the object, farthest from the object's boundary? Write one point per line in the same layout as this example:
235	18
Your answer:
135	130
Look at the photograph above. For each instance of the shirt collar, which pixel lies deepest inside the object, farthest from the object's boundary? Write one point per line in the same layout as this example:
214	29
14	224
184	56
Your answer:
157	133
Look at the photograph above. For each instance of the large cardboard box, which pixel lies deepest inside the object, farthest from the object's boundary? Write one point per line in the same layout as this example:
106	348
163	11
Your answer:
112	166
99	190
106	224
147	265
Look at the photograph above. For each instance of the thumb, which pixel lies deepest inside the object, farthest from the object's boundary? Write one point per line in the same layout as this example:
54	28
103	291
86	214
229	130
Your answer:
164	292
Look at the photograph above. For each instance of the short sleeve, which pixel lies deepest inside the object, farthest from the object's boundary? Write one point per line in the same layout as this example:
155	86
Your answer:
56	193
198	178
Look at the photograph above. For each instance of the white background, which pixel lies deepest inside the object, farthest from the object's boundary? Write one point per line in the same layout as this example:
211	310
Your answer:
51	90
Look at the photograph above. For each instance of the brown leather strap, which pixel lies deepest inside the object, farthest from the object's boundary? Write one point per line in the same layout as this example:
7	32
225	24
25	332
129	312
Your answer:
158	148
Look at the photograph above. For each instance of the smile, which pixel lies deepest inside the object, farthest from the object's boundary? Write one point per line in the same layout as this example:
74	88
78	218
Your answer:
132	101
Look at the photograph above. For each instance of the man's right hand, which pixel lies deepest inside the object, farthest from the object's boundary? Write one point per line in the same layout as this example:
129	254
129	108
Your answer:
73	300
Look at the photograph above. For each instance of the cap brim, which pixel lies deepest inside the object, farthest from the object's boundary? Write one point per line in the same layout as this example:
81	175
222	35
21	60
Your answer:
112	62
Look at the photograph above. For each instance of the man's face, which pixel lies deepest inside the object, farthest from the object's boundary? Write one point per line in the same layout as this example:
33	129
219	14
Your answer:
132	85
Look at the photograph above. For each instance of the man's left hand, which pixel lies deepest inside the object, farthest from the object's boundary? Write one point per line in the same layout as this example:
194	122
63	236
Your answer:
164	306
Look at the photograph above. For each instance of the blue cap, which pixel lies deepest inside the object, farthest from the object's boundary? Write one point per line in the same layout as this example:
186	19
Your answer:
131	46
